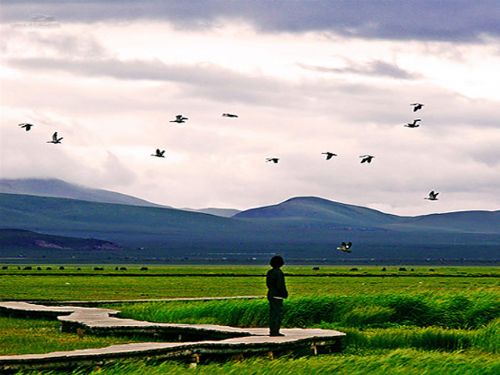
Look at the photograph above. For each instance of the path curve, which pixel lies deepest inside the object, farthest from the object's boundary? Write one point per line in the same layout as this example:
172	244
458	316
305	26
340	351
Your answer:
203	340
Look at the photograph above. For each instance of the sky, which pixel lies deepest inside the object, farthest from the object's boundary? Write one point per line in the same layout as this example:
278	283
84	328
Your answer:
304	77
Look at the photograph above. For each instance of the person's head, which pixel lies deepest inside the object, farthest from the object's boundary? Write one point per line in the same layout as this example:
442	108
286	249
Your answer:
277	261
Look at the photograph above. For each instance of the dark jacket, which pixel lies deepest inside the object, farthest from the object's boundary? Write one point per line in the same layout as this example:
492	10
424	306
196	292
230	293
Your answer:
275	280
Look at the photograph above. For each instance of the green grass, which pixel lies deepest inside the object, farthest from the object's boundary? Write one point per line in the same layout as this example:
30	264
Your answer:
427	338
465	310
24	336
208	269
383	362
97	285
426	324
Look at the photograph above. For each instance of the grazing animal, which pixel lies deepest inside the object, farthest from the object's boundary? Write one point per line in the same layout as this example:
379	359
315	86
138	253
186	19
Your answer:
159	153
180	119
229	115
413	124
432	196
366	158
26	126
329	155
273	160
416	106
345	247
55	139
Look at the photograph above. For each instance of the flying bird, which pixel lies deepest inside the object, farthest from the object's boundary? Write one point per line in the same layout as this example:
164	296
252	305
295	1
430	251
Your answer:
159	153
180	119
413	124
329	155
26	126
274	160
366	158
229	115
345	247
432	196
55	139
416	106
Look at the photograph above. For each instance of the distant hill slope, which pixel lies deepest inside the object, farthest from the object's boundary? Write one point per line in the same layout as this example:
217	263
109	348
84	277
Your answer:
461	221
223	212
108	221
61	189
18	239
322	210
298	228
313	209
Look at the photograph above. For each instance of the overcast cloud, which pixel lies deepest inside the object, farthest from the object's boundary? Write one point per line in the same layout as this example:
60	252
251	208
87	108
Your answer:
304	78
389	19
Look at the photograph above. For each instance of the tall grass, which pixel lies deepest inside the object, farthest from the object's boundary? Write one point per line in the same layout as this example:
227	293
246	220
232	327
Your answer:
241	313
461	311
428	338
450	322
488	338
399	361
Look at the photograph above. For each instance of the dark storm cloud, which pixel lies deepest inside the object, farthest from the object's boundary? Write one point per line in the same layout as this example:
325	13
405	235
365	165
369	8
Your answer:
375	68
422	20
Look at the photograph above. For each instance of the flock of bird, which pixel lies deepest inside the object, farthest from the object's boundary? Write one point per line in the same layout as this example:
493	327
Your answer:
346	247
416	106
181	119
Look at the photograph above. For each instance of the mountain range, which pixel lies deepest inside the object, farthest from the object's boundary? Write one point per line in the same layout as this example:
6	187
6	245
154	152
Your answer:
301	228
314	209
52	187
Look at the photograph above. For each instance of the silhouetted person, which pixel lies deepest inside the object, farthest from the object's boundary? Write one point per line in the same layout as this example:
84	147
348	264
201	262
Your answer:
276	292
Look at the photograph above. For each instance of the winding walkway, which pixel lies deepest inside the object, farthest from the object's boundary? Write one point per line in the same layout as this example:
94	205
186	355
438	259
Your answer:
192	342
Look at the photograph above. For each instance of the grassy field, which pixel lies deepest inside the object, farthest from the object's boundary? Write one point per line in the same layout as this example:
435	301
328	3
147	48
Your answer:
24	336
213	281
445	321
207	269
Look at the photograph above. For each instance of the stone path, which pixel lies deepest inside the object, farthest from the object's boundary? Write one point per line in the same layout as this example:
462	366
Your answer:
194	342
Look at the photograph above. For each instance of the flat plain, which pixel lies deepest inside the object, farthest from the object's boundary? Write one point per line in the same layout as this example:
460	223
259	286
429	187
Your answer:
398	319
